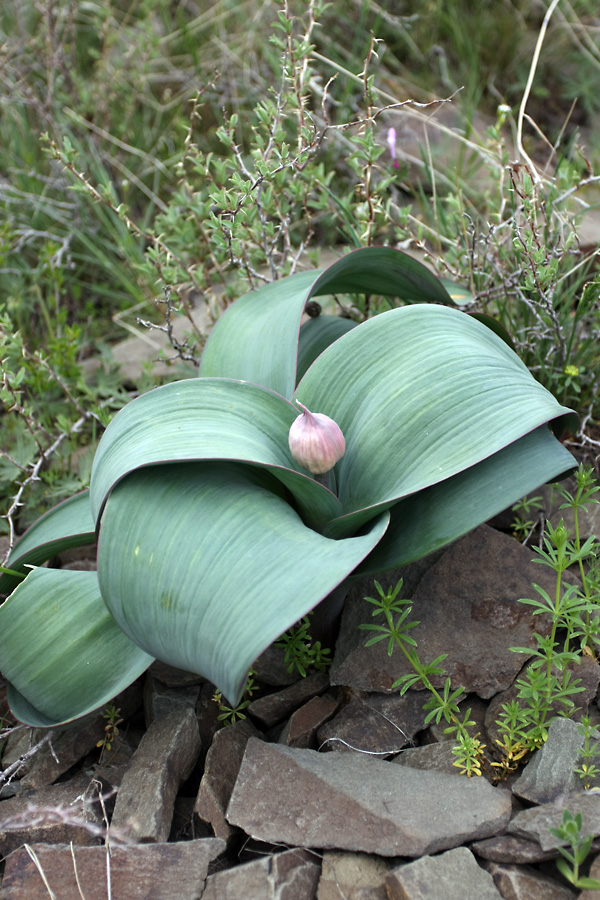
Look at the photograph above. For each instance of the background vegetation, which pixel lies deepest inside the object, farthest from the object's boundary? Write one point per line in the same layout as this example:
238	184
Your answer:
158	157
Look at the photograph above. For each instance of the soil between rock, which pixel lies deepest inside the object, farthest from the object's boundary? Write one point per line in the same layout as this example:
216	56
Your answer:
333	785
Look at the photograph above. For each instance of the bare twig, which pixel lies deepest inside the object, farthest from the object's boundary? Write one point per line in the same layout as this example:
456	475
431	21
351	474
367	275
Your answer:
10	771
34	475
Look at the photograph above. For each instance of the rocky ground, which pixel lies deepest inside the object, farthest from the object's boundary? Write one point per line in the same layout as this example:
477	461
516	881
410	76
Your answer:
332	787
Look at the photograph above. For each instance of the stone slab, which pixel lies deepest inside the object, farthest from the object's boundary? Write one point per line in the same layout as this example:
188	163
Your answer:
351	801
353	876
60	812
143	872
164	759
293	874
467	606
453	875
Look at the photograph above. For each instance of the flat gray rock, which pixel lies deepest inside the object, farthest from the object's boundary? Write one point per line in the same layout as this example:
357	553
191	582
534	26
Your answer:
158	871
68	747
222	765
55	814
274	708
375	723
468	607
351	801
550	772
508	848
164	759
534	824
433	757
525	883
161	700
271	668
293	874
302	727
453	875
353	876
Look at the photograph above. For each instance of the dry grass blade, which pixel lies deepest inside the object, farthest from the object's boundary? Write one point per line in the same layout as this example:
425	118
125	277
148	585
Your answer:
534	63
33	856
79	888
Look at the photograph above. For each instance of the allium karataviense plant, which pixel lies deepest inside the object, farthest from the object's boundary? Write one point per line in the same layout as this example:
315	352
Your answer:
212	540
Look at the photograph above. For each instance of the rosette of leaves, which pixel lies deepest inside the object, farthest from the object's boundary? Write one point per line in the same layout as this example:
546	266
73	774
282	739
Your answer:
212	541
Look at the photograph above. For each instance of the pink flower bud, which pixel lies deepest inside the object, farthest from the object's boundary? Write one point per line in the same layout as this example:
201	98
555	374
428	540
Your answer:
391	142
316	441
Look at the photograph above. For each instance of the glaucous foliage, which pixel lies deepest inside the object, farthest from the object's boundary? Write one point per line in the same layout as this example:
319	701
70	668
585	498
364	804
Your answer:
213	540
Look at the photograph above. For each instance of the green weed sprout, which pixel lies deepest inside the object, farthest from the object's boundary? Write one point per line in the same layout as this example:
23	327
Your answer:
570	831
441	705
522	525
548	687
588	770
113	717
301	652
236	713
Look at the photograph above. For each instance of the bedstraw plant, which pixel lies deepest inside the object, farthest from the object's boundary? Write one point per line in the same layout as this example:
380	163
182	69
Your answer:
576	852
549	686
442	704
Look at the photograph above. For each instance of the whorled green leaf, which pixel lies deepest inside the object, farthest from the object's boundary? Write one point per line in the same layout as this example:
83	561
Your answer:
444	512
460	295
384	271
270	317
68	524
61	651
495	326
208	418
203	562
204	566
316	335
421	393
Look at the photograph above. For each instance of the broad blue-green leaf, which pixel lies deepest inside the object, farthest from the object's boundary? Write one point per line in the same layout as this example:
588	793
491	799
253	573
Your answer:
444	512
495	326
459	294
270	317
68	524
203	563
421	393
203	566
61	650
384	271
207	418
316	335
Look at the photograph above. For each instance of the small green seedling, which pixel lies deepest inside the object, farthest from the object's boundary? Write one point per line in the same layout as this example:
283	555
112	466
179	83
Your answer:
570	831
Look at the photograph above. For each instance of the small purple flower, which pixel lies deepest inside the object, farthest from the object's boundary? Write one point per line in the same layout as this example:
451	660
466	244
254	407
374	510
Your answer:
391	142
